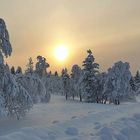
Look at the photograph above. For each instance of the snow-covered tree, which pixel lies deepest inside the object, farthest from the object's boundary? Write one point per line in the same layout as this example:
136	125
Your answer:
13	70
41	66
5	45
89	81
117	86
137	77
30	67
75	76
2	107
7	67
100	97
133	84
66	82
14	99
56	73
137	82
19	70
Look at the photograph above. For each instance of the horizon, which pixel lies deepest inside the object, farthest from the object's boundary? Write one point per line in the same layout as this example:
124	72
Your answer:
110	29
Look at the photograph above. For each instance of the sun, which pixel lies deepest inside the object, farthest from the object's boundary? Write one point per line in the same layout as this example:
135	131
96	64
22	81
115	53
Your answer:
61	52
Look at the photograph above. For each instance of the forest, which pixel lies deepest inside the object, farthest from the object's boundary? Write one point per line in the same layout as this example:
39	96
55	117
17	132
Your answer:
20	90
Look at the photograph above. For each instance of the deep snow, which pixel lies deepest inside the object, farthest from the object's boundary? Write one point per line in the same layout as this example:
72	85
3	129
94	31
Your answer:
72	120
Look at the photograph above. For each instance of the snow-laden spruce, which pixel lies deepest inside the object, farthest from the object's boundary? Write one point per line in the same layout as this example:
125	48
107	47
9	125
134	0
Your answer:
89	81
14	99
117	85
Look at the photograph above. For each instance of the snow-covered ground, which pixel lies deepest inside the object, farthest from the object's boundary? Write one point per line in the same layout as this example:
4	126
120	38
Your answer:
72	120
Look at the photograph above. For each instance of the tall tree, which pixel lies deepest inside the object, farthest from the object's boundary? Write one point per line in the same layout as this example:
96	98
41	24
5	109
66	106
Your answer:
5	45
137	77
56	73
66	82
117	86
16	100
13	70
89	82
30	67
132	84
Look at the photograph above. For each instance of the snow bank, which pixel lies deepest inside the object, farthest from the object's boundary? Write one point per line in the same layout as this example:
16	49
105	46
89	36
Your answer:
71	120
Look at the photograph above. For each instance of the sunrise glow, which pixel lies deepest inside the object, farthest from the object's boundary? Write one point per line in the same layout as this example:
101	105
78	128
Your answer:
61	53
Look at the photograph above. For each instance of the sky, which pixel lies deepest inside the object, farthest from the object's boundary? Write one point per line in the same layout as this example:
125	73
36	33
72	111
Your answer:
111	29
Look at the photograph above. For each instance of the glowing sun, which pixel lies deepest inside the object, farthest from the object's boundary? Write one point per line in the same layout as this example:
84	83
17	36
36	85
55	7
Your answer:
61	52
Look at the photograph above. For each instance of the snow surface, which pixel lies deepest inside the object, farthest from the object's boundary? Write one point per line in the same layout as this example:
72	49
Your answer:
72	120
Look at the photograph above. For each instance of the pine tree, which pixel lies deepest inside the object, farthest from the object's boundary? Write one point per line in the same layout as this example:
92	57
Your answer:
89	77
66	82
132	84
13	70
56	73
30	67
50	73
137	77
19	70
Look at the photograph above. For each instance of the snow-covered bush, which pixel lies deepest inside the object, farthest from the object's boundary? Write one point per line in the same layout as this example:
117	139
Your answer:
53	84
35	87
117	86
89	81
16	99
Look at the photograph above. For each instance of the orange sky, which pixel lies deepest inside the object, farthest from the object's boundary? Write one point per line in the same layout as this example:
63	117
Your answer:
109	28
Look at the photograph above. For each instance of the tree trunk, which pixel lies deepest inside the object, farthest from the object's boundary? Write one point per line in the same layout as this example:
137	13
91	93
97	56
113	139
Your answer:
80	98
66	96
73	96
